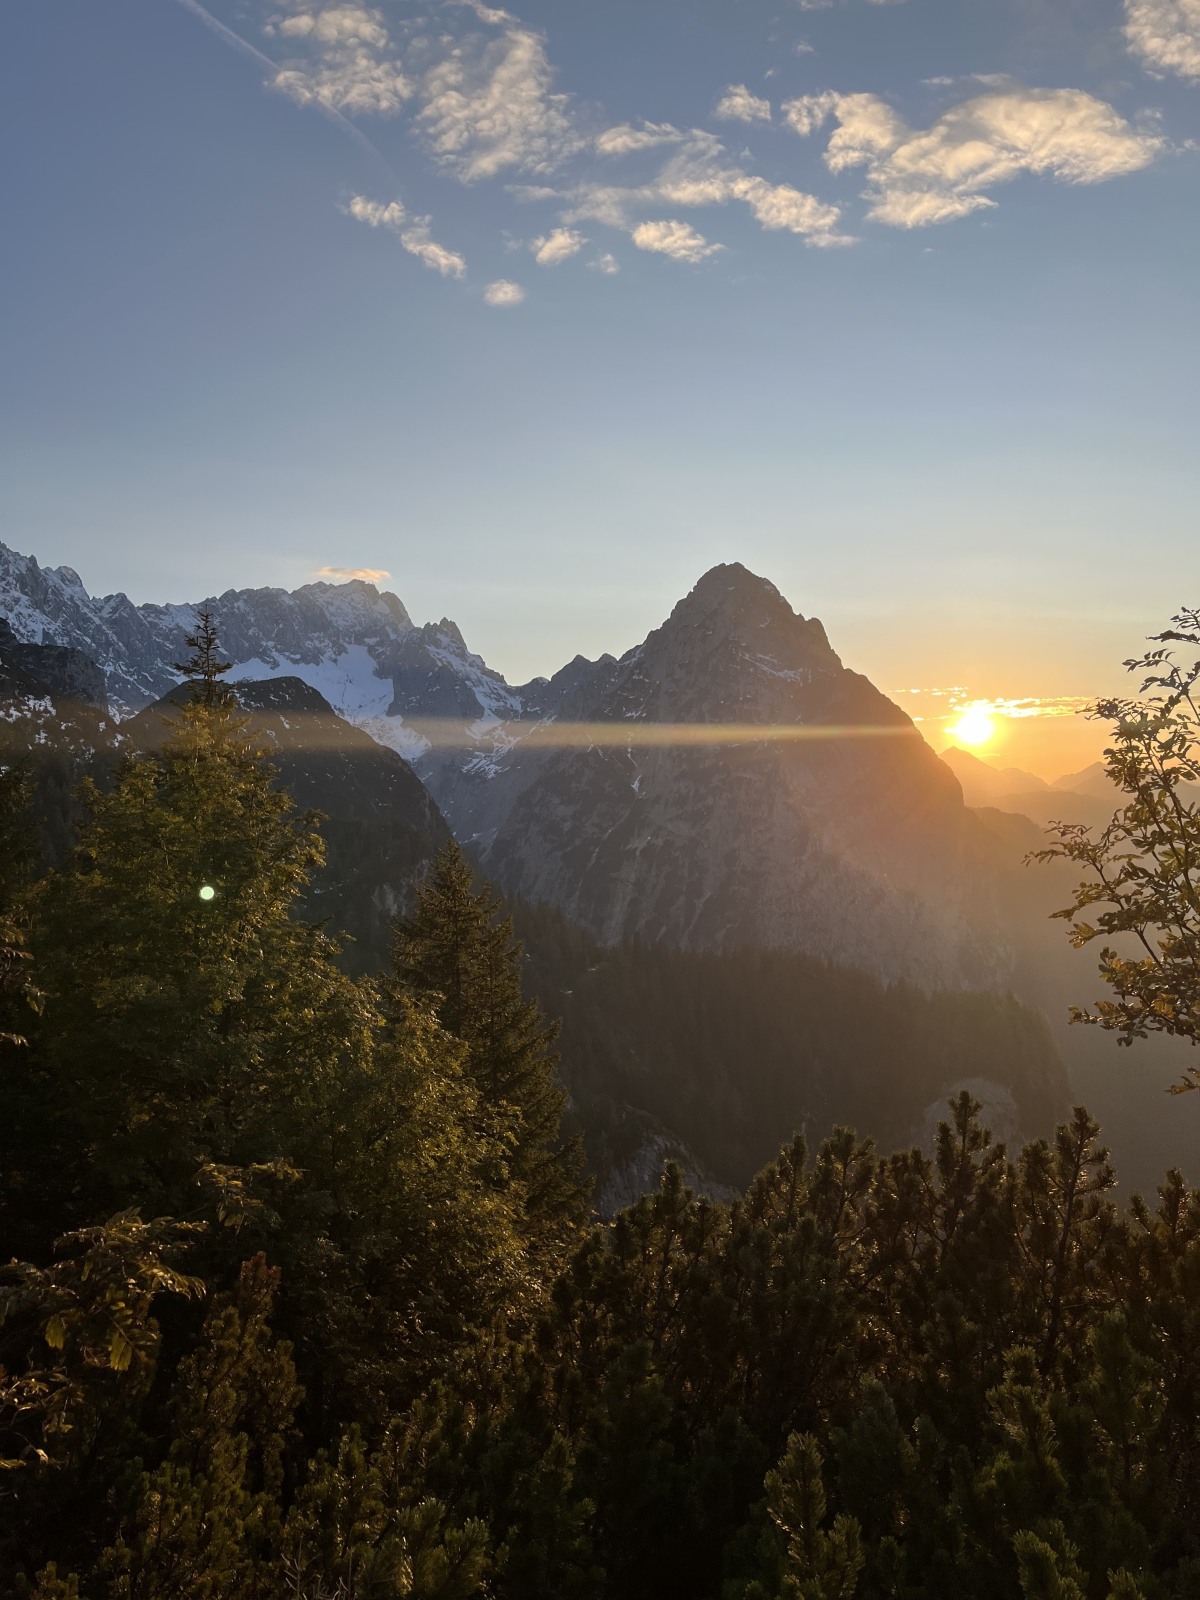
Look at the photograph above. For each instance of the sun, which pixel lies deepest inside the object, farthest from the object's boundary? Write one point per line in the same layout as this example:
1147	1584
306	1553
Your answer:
975	724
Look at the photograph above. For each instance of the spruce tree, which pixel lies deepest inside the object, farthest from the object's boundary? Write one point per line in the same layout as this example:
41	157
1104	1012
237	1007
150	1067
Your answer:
456	954
189	1017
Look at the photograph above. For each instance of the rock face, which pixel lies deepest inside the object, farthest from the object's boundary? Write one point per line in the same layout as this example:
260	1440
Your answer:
854	845
850	842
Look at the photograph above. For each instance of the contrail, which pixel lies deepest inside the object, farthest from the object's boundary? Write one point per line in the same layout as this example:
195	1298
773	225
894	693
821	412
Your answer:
244	47
230	38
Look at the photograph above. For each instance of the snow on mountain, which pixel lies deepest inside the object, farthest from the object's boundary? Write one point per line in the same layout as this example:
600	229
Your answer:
356	646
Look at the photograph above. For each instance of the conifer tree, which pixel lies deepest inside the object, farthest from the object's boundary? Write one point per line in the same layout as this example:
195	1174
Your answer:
457	954
15	851
189	1016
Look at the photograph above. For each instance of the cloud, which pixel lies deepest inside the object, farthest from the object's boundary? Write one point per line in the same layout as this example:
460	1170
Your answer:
1165	34
488	107
624	139
337	25
737	104
352	68
503	293
347	574
700	174
916	177
560	245
606	264
417	241
414	234
674	239
375	213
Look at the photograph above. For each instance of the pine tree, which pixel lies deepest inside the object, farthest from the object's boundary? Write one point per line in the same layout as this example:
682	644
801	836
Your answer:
189	1017
207	1522
204	670
456	953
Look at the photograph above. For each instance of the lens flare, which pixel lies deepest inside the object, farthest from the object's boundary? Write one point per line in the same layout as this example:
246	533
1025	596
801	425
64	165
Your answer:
207	892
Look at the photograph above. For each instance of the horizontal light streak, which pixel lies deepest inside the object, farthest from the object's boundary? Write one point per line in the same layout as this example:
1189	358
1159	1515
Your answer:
443	734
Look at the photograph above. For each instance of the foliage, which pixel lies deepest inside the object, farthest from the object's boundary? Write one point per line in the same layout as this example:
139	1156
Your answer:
370	1346
1143	888
456	953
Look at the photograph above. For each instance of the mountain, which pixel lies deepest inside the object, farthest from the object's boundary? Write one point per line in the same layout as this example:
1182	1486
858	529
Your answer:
852	845
357	647
845	838
54	722
983	784
1010	789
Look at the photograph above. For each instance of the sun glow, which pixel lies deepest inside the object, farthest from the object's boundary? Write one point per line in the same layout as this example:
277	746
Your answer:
975	724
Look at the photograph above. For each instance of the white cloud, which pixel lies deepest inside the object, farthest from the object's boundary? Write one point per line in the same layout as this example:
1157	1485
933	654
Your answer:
375	213
352	67
1165	34
737	104
700	174
559	245
806	114
337	25
779	206
674	239
921	176
503	293
488	107
414	235
607	264
346	574
625	138
417	241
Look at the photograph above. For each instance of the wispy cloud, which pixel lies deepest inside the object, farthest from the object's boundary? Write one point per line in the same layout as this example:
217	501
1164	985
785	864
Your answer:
347	574
414	233
737	104
700	173
503	292
1165	34
607	264
560	245
624	139
920	176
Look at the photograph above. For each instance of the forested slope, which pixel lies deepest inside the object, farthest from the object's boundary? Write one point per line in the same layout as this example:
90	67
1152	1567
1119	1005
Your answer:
304	1297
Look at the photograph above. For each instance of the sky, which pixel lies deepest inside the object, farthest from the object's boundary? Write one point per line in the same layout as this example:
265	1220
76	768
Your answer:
542	312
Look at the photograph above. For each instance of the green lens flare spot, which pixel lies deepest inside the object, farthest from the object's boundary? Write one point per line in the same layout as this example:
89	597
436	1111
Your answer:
207	892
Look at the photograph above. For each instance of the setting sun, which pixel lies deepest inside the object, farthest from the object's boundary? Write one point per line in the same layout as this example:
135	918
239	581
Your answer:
975	725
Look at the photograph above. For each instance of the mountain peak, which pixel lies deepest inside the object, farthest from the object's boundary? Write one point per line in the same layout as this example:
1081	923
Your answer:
730	579
734	610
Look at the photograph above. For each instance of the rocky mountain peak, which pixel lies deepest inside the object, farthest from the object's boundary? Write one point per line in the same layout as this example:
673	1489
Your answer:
731	650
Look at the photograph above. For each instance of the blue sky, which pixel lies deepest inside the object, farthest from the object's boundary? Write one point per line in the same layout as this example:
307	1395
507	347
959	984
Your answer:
544	311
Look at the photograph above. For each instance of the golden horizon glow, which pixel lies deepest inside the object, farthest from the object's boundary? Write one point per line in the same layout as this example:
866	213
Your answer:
975	725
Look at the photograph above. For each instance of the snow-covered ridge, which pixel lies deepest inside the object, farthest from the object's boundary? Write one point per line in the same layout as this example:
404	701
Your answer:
354	644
